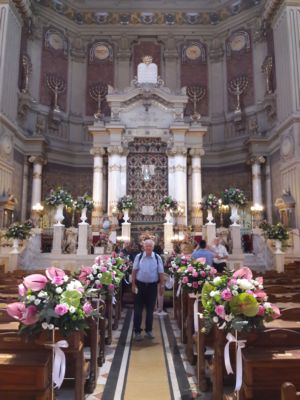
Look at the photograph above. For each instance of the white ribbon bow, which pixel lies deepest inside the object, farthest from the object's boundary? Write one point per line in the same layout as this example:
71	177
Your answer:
59	363
240	344
196	325
178	290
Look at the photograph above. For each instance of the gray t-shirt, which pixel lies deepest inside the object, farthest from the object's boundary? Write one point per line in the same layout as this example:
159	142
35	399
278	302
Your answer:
149	268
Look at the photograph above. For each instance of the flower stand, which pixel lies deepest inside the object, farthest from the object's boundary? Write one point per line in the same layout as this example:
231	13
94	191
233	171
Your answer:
234	217
83	216
59	215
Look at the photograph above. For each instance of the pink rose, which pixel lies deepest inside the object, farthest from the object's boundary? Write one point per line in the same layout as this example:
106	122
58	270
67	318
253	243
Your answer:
185	280
220	311
260	280
275	311
232	282
26	315
212	271
260	294
103	269
226	295
201	260
111	286
22	290
61	309
55	275
195	274
243	272
98	285
190	269
35	282
261	311
87	308
84	273
203	274
195	285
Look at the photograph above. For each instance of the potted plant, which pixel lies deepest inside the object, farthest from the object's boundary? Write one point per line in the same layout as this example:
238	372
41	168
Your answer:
17	232
168	204
125	204
59	198
210	203
235	198
277	232
84	203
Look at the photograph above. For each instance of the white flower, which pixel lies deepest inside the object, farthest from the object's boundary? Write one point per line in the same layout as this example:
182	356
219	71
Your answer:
212	293
91	277
31	298
217	280
72	309
260	287
51	327
66	278
267	305
97	282
42	294
189	284
45	325
58	290
244	284
215	319
235	287
235	293
99	276
37	302
74	285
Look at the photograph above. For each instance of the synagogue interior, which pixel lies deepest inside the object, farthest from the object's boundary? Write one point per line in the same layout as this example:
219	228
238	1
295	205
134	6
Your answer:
149	199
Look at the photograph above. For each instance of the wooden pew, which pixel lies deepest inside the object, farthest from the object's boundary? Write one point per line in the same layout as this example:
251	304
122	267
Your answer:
183	314
288	392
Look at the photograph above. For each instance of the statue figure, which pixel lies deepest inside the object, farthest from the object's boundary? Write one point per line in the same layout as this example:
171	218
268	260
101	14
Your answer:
70	241
147	71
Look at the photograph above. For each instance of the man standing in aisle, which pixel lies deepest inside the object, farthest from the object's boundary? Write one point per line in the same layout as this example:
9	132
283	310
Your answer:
147	271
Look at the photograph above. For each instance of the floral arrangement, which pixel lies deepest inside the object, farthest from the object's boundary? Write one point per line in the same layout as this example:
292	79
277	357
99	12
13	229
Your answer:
237	302
210	202
234	196
84	201
49	301
19	231
168	203
177	265
104	275
59	196
195	275
275	232
125	202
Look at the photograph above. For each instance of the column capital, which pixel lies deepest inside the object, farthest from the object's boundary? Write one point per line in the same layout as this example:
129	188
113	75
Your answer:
256	160
97	151
177	151
117	150
37	160
196	152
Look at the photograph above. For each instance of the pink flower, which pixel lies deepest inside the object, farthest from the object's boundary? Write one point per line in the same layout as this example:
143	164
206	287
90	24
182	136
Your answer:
84	273
55	275
195	274
111	286
190	269
98	285
185	280
87	308
203	274
26	315
35	282
275	312
212	271
103	269
195	285
201	260
220	311
232	282
260	294
260	280
22	289
243	272
226	295
261	311
61	309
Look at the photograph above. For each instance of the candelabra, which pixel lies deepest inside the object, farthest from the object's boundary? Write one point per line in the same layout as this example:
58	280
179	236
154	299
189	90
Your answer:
57	85
195	94
27	71
266	68
98	92
237	87
223	209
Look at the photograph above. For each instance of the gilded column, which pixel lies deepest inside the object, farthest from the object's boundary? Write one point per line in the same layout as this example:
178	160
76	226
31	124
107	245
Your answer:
197	219
38	163
98	153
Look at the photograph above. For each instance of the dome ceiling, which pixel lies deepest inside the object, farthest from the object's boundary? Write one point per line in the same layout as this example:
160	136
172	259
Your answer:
135	12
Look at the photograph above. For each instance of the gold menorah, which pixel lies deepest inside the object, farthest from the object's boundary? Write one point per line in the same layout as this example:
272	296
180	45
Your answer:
266	68
237	87
57	85
195	94
98	92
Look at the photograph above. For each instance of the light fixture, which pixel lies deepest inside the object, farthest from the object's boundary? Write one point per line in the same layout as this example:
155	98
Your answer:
37	207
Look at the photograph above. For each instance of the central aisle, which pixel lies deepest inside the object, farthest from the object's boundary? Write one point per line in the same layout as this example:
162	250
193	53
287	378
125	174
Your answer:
147	376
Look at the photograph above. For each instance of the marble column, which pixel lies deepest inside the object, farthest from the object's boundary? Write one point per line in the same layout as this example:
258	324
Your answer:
268	193
114	177
98	153
38	162
197	217
24	191
256	180
123	173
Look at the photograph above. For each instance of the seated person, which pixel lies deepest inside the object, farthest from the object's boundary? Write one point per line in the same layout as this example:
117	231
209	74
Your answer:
203	252
221	255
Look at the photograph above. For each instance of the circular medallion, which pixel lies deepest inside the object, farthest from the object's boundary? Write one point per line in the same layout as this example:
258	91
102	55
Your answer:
237	42
101	52
193	52
56	41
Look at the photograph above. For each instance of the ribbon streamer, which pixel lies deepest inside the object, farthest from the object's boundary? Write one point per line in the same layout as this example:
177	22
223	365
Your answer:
196	325
114	300
59	362
240	344
178	290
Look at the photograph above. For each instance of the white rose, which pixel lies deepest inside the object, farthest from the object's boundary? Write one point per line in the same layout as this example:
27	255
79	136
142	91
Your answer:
245	284
37	302
45	325
31	298
267	305
189	284
72	309
215	319
58	290
217	280
212	293
42	294
74	285
66	278
260	287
